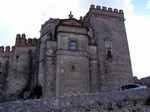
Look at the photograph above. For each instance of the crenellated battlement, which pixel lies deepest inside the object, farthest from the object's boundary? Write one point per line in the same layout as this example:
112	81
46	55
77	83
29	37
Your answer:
6	51
21	41
105	11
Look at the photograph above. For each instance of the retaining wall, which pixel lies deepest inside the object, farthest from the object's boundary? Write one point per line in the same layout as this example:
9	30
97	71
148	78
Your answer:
135	100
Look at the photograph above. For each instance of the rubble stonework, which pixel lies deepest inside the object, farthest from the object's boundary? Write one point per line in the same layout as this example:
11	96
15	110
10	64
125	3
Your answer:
125	101
71	57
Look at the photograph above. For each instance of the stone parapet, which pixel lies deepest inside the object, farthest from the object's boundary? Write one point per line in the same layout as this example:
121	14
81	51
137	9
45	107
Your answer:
104	11
6	51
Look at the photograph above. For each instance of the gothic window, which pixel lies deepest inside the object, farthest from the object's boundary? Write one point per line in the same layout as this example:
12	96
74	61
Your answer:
73	45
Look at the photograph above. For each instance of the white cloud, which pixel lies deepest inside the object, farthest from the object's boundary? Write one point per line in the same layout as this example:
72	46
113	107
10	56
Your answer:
138	36
148	4
20	17
137	27
128	6
27	16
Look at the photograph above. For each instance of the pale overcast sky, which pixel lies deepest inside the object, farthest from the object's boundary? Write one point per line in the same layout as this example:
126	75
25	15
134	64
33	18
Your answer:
27	16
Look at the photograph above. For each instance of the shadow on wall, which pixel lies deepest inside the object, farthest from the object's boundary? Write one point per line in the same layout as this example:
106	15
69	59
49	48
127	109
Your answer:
35	93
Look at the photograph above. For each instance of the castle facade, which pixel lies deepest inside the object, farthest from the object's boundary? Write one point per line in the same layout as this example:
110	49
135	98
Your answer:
71	57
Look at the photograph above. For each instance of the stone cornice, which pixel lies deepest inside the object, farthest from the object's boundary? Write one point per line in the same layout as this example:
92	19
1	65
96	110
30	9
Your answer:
72	52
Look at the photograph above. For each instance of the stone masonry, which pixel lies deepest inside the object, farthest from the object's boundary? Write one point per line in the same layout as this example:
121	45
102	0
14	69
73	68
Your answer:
71	57
125	101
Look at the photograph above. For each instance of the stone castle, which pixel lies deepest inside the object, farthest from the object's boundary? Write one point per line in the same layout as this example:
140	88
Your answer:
71	57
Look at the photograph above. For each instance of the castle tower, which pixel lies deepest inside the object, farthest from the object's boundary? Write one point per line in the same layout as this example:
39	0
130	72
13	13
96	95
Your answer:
113	53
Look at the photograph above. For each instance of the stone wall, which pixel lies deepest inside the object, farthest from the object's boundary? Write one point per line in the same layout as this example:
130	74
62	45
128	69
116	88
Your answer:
125	101
5	65
21	69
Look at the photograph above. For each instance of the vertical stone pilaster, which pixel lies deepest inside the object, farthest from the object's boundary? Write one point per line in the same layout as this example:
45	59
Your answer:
58	60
